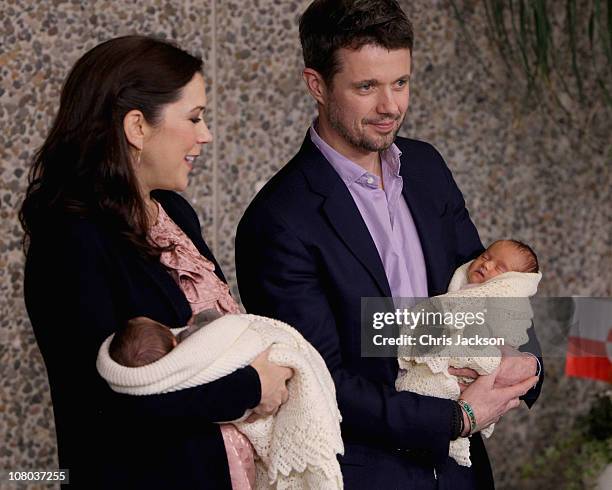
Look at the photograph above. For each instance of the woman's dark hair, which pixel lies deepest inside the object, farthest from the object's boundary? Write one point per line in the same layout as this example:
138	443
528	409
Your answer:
84	166
328	25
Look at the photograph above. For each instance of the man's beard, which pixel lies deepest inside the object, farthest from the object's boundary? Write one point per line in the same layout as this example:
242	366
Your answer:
361	140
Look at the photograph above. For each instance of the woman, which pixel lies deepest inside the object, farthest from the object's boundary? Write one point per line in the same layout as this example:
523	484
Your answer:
128	131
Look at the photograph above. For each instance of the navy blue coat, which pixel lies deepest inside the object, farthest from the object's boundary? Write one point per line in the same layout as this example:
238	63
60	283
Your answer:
81	284
304	255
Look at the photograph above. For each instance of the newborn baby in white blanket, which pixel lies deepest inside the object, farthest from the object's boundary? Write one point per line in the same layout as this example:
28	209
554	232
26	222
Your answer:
498	283
297	447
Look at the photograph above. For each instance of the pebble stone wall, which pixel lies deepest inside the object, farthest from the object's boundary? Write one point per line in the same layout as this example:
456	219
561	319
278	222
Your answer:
531	174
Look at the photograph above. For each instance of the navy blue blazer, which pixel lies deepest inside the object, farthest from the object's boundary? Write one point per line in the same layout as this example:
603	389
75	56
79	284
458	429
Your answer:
304	255
81	284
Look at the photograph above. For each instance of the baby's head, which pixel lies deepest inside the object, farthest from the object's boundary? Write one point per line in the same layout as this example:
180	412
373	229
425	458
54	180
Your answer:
502	256
141	342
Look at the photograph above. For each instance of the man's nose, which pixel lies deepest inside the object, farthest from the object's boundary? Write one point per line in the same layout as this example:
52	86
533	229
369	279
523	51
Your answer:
387	103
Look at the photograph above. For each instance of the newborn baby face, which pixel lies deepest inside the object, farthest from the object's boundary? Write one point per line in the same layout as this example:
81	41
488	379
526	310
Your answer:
502	256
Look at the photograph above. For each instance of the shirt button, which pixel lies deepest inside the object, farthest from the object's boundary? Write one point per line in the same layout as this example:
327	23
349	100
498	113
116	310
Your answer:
370	180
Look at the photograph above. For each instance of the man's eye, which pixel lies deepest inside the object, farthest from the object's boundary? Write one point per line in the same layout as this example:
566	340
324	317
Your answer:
402	83
365	87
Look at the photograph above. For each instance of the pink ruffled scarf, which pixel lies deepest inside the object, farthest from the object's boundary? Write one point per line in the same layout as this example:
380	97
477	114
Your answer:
194	274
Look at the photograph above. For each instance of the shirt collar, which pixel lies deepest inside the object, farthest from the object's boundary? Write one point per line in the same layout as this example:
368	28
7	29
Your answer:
348	170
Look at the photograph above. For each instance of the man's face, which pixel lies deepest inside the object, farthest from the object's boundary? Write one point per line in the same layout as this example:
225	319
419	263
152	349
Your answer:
368	100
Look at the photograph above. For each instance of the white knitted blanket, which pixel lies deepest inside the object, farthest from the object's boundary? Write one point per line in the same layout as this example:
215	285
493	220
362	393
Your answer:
508	315
297	447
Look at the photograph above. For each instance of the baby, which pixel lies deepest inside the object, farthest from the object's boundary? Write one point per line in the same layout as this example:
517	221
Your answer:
143	341
498	283
502	256
165	363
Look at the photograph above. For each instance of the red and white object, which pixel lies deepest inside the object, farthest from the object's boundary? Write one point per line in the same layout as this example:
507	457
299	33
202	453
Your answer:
589	347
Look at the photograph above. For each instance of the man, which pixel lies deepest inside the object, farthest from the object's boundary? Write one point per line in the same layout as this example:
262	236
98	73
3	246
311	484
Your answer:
359	212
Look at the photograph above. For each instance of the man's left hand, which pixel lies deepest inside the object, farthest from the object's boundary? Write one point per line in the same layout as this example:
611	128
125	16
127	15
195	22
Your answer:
515	367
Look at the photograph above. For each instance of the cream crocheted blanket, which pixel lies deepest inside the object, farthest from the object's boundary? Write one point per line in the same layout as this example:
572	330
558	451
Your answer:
297	447
508	314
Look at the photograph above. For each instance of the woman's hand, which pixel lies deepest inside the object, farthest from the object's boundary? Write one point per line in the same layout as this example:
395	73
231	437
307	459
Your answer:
273	379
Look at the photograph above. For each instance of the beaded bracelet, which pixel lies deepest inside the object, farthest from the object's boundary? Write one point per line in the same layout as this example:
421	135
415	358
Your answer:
456	422
470	413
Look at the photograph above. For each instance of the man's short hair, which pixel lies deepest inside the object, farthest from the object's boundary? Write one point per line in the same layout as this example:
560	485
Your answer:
328	25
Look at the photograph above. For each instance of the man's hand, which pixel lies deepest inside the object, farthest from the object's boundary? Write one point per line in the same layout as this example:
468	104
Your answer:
463	373
515	367
490	402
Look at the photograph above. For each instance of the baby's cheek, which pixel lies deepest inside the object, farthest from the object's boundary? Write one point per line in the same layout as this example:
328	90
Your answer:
473	278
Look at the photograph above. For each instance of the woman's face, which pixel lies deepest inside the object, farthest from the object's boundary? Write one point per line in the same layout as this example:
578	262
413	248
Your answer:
170	149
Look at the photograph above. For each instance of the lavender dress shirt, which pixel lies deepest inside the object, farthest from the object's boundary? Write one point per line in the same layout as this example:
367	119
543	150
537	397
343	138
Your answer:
386	215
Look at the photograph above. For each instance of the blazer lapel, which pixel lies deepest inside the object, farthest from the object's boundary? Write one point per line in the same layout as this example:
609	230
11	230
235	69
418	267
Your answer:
342	212
171	291
194	233
160	275
426	216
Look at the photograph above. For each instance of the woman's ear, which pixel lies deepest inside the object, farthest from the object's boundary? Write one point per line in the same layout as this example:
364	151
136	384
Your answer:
134	127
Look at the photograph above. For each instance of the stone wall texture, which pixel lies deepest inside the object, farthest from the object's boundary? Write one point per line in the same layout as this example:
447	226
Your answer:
537	174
